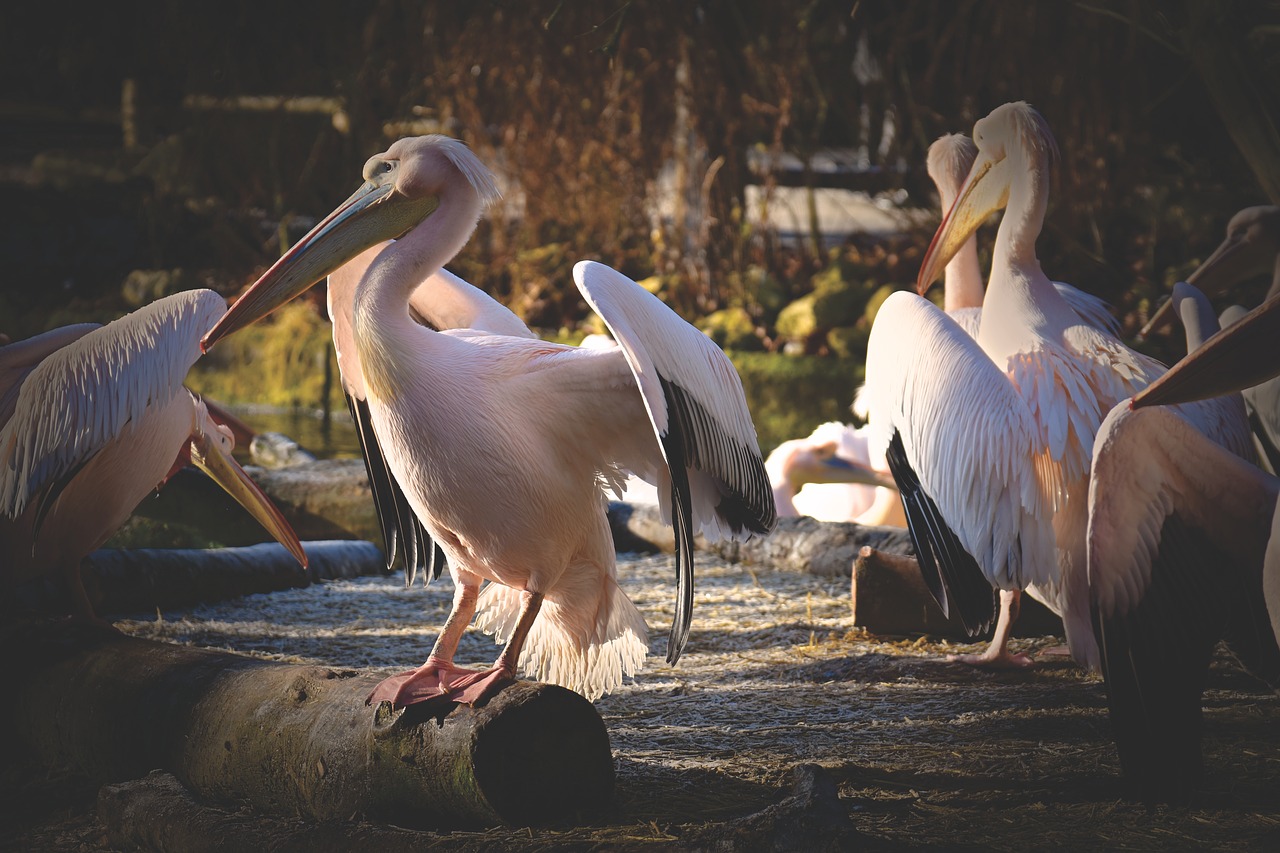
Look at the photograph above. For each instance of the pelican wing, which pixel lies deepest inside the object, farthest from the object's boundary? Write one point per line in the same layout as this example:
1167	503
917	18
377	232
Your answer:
1177	532
964	448
695	403
86	393
1094	311
18	359
445	301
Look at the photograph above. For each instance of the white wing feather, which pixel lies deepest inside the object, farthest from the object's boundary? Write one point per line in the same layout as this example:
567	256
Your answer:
659	346
87	393
1094	311
970	437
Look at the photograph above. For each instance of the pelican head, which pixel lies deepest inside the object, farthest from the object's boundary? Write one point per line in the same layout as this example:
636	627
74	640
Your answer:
402	188
1236	358
950	158
209	449
1005	139
1250	249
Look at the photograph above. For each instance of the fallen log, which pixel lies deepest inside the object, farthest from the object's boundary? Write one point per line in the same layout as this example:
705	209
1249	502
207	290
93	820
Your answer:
144	579
325	499
295	740
887	595
825	548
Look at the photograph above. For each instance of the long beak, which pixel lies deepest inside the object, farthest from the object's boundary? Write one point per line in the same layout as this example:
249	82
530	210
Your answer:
811	467
1231	262
209	457
373	213
1236	358
985	191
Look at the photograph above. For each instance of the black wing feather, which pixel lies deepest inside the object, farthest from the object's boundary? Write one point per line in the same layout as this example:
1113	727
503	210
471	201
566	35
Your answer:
401	529
952	575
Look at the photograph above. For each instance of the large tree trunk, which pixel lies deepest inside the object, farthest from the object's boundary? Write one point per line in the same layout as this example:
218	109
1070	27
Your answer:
295	740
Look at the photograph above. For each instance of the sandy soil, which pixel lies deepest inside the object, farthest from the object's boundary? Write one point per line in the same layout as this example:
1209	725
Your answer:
922	753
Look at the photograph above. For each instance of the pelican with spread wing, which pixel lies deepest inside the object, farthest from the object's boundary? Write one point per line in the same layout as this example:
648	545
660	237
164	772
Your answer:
503	445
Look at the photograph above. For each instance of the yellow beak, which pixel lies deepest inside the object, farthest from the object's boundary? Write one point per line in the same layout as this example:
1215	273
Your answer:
209	457
373	214
984	191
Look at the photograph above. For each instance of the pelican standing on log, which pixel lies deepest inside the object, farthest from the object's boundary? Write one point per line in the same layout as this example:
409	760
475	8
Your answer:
95	418
990	440
504	446
442	301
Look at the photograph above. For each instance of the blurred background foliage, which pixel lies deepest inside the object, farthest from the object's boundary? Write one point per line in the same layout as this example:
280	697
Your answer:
153	145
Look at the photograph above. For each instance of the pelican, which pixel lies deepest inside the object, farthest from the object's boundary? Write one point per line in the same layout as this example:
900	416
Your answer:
826	475
1179	557
503	445
92	418
441	301
950	160
990	440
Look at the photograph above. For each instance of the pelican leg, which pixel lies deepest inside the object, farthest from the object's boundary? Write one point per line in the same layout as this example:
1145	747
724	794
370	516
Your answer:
997	655
438	680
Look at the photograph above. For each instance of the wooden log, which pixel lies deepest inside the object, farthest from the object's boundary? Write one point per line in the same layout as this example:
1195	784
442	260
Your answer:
143	579
887	595
803	544
295	740
325	499
123	581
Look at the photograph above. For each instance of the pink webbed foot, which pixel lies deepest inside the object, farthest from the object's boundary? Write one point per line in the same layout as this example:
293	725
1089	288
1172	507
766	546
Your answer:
1001	659
436	683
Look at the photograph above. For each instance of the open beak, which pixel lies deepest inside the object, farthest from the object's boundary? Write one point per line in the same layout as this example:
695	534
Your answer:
209	457
1236	358
1231	262
374	213
985	191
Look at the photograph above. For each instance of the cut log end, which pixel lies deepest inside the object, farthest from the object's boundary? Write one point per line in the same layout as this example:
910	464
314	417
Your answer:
298	740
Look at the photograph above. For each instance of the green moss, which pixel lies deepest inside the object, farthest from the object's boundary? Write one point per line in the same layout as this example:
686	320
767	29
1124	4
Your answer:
790	395
732	328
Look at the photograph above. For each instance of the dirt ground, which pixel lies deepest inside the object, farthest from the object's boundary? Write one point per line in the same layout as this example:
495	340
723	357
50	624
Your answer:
918	753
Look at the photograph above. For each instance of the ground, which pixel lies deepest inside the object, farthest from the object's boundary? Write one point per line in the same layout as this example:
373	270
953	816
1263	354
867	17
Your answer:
922	753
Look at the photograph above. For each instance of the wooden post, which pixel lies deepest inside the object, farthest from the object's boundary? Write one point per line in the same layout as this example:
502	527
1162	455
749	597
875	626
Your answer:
888	596
295	740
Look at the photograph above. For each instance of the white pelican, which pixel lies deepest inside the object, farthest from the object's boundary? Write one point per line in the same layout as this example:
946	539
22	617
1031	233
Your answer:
503	445
949	161
991	440
1183	552
441	301
825	475
92	418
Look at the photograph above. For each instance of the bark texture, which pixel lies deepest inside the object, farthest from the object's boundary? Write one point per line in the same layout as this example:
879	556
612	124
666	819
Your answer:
296	740
803	544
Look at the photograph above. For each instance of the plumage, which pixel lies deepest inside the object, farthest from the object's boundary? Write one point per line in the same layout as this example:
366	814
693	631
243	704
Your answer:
98	419
999	431
504	445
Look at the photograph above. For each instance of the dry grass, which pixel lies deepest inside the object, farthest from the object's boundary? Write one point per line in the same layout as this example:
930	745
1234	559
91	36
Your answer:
924	752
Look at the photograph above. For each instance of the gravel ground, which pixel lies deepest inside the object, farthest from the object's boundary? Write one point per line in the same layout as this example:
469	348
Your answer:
922	753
